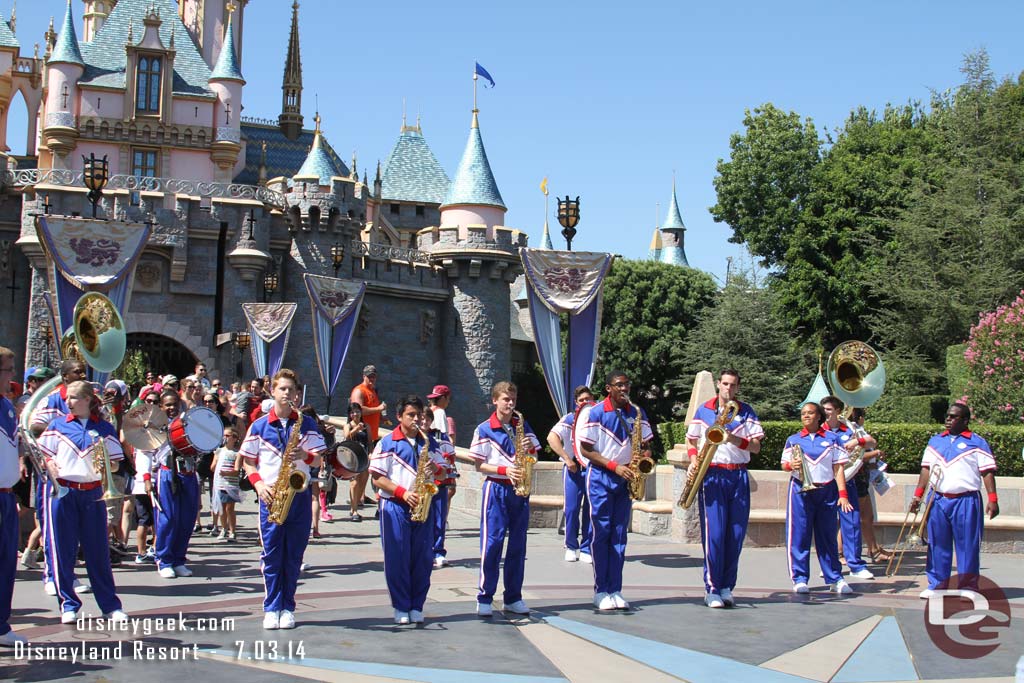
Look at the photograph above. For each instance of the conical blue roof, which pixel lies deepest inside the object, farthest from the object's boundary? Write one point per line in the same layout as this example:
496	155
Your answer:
318	163
66	50
818	391
226	68
412	172
672	251
674	221
7	38
474	183
545	240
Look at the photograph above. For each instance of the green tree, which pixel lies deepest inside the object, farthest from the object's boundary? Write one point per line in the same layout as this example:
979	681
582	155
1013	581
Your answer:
995	364
649	309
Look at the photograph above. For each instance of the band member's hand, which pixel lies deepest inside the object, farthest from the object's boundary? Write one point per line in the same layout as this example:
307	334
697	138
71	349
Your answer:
692	467
625	473
149	488
54	472
411	499
328	428
573	467
915	503
383	407
845	505
525	445
515	474
796	464
299	454
265	493
23	470
433	469
992	509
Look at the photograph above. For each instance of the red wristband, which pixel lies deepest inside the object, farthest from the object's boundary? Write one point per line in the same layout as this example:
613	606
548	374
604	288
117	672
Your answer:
918	492
255	478
692	451
611	466
993	497
147	477
309	459
787	466
502	471
862	441
400	493
844	494
744	444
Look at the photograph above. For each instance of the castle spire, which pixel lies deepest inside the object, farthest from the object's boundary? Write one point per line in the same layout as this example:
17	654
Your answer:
474	183
227	68
290	120
66	50
319	165
672	251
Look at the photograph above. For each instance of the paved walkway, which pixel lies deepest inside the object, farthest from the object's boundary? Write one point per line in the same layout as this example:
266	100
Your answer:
346	633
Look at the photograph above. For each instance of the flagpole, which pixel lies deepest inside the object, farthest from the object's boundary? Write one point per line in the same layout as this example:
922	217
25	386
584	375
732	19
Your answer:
475	110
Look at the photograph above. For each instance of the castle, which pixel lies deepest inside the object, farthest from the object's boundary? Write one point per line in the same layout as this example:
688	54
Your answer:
241	208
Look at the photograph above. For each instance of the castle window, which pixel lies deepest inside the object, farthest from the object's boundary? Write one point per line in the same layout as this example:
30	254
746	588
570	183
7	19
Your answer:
144	162
395	209
419	210
147	92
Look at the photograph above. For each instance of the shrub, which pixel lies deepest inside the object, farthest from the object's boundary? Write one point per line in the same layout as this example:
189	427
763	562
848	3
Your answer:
995	365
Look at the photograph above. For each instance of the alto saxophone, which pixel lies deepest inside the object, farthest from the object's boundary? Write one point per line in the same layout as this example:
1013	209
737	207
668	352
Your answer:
101	464
424	486
524	461
714	438
640	464
290	480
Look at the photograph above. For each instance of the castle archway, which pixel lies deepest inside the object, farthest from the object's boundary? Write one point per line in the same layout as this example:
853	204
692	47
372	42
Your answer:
163	354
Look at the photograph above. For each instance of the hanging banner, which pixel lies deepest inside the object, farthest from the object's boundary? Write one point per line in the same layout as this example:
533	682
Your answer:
565	282
335	306
269	328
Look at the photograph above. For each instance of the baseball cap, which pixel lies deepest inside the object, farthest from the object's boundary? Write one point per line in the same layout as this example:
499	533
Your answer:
40	373
121	387
169	379
439	391
370	370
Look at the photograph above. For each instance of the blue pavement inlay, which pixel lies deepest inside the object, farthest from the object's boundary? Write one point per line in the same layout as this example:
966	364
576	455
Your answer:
690	665
410	673
883	656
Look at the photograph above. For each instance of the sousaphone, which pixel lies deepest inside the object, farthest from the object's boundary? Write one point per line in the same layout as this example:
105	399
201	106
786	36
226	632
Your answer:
856	374
99	332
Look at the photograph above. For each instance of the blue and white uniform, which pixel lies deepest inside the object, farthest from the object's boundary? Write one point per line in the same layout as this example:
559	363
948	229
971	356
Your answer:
10	473
445	479
957	515
813	512
849	522
574	486
724	497
608	431
408	545
502	512
177	489
283	544
79	517
55	406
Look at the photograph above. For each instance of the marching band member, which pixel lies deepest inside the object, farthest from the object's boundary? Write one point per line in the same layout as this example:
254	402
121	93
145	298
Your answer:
849	522
574	480
502	512
56	403
69	445
445	482
724	496
407	545
10	473
815	511
606	442
178	492
285	543
955	520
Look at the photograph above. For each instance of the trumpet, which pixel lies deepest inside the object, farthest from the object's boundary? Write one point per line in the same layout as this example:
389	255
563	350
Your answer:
918	525
101	463
797	455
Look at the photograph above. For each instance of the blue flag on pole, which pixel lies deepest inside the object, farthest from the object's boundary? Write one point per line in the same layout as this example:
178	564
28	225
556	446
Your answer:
482	72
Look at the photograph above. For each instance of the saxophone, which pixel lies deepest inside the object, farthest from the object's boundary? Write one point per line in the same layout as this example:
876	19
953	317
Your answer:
424	486
290	480
714	438
640	464
524	460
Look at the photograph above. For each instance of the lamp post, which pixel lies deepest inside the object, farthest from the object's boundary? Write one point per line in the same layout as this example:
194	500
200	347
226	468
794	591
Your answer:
242	344
95	174
250	223
337	256
569	218
270	282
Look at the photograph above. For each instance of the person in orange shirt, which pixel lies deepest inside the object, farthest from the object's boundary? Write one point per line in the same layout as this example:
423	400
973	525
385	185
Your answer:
373	409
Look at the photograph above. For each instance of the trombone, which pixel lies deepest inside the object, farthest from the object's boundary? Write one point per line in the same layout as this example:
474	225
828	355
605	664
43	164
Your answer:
918	524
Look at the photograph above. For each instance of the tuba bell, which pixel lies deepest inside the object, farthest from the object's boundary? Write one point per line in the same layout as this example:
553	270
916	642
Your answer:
99	332
856	374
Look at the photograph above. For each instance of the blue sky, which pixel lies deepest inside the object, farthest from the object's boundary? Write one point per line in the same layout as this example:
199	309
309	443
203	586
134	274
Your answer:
607	99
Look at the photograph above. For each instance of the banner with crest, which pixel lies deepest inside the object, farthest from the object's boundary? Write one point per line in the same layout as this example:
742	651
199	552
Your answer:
269	329
565	282
335	305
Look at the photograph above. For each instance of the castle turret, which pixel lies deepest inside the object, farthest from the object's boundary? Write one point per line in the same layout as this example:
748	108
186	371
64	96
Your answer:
655	253
65	67
290	119
227	82
672	235
95	14
318	167
473	197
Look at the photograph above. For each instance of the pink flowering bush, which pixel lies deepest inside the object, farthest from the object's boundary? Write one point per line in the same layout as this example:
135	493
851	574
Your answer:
995	365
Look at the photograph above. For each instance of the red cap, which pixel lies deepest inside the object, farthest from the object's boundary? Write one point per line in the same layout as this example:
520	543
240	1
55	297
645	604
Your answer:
439	391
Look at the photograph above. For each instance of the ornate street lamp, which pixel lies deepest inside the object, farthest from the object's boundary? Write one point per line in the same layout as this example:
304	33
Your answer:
337	256
95	174
569	218
242	344
44	329
250	223
270	283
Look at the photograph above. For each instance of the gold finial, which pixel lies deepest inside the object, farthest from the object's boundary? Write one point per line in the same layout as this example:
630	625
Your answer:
230	7
317	120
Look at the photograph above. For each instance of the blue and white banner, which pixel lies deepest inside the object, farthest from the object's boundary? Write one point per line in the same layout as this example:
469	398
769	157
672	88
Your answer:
335	305
565	282
269	329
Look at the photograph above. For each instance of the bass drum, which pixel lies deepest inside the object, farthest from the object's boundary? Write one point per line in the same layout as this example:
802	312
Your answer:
197	431
348	460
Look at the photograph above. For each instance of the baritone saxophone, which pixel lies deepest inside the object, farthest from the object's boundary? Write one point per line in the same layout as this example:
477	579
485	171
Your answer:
714	438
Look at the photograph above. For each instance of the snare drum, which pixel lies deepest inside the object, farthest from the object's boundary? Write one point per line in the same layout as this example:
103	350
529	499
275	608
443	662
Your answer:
197	431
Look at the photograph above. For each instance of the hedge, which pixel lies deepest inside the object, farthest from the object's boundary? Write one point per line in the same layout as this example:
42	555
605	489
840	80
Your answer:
904	444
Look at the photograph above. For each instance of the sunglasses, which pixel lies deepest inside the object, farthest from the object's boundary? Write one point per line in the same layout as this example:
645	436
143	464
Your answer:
153	402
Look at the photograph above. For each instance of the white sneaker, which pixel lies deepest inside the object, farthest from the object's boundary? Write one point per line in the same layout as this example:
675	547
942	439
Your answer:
303	567
167	573
607	603
620	602
118	616
863	574
570	555
598	598
81	587
517	607
586	558
841	587
484	609
401	618
182	570
800	588
28	560
287	619
271	620
440	561
50	588
68	617
222	535
926	593
416	616
714	601
727	597
11	639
